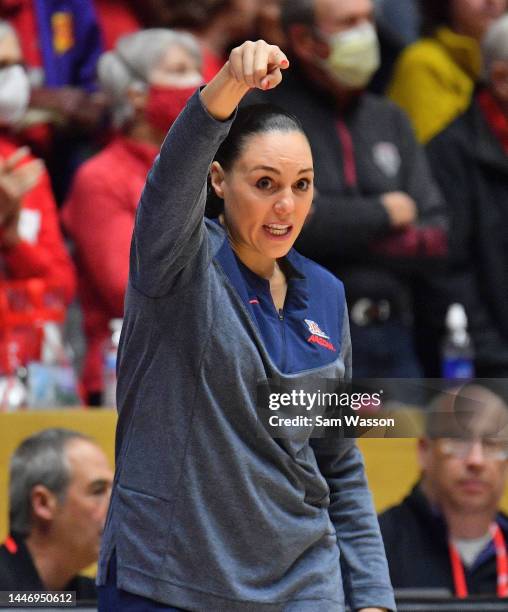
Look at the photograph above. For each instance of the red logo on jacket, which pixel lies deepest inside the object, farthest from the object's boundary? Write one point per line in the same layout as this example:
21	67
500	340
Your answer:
318	336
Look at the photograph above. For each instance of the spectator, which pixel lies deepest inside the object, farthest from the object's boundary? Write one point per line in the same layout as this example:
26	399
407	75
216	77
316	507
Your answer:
473	153
378	214
449	532
60	482
149	77
217	24
31	245
435	77
61	43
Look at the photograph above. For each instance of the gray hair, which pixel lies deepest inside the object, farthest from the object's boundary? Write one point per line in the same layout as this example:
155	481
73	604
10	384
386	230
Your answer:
6	29
130	63
40	459
297	12
495	45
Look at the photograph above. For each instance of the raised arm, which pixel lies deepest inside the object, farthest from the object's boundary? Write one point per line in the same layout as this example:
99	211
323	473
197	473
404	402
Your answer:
169	228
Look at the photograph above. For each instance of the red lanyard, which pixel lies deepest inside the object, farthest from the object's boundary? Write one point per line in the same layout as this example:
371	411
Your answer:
348	153
459	577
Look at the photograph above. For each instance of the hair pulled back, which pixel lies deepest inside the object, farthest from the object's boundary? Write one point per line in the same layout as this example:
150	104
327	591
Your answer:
250	121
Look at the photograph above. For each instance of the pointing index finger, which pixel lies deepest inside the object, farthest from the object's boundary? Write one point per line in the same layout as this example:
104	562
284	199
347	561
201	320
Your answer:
277	58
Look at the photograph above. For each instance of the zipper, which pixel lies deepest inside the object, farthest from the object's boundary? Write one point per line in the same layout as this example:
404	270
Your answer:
283	333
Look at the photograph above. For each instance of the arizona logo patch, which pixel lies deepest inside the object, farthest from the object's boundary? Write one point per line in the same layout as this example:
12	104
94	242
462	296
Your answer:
318	336
315	329
63	32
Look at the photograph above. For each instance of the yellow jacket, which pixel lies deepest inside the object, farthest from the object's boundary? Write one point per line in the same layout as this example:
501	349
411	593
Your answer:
434	78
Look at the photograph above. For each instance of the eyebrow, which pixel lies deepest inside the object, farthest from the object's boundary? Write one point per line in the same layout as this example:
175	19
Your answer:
102	482
270	169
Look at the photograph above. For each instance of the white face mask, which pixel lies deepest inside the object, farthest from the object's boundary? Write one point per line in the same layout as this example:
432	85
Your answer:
14	94
354	55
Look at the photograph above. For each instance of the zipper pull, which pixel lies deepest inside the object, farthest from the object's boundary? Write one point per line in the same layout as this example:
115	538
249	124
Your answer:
281	315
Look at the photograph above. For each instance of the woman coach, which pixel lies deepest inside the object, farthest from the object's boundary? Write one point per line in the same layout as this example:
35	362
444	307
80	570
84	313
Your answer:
208	511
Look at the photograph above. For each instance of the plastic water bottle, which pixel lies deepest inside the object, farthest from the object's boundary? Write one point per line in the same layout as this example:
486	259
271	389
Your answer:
52	381
457	361
109	364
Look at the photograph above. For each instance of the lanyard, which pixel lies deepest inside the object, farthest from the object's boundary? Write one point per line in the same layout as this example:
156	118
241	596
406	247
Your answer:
459	577
348	154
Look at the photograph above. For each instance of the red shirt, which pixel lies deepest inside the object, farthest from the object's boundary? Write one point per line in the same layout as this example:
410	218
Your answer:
212	63
41	253
99	215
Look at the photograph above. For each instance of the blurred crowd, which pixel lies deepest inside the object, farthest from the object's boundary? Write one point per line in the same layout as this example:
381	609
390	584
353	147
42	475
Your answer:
405	103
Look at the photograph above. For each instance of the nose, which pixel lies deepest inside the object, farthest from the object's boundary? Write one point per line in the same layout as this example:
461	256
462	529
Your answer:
285	203
476	455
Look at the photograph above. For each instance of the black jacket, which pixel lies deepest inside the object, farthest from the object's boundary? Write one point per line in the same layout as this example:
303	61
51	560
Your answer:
349	232
472	170
416	544
18	572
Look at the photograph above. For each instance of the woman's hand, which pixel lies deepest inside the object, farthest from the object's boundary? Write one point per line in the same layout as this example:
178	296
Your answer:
253	64
15	182
257	64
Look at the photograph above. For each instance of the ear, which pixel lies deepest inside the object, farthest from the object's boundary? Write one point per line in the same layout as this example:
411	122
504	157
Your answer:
305	44
44	503
499	79
138	97
217	179
423	453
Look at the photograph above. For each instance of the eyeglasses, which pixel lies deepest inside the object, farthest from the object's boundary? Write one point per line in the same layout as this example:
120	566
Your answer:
461	448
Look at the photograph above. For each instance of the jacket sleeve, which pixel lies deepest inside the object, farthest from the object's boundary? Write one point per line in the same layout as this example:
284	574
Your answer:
169	229
364	567
363	561
45	256
100	222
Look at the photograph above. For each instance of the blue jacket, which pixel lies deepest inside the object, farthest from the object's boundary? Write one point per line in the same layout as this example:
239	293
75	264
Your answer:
70	42
208	511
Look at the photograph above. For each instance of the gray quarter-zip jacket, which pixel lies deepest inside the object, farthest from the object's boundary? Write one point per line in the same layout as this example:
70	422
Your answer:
208	511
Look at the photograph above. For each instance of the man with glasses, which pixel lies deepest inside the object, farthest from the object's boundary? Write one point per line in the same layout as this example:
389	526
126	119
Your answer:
448	532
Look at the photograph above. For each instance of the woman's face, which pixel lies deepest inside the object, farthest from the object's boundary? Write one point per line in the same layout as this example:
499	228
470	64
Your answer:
267	194
10	51
176	68
473	17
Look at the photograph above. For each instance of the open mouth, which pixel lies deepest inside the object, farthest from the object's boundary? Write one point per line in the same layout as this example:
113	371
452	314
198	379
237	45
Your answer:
278	230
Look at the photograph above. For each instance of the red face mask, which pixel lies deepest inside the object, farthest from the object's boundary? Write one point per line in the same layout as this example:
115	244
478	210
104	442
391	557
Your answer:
165	104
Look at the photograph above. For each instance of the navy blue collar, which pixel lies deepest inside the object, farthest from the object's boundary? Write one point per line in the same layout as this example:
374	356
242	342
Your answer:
248	284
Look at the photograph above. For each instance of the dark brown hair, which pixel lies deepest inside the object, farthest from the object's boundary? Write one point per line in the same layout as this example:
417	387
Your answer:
250	120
